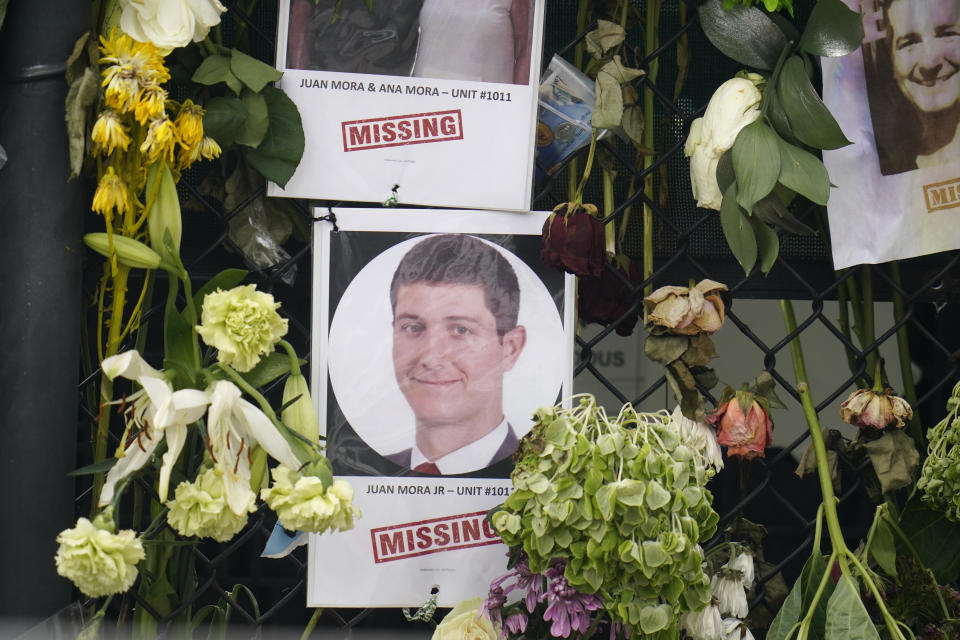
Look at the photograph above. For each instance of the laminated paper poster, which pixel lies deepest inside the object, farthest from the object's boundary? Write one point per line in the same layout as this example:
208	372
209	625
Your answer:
437	334
897	98
434	97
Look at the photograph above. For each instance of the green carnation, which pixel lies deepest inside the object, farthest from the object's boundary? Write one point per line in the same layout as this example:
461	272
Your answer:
97	560
199	509
242	324
302	504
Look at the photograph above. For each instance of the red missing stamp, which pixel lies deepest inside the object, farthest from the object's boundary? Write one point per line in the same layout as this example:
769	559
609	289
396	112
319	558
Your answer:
432	536
396	131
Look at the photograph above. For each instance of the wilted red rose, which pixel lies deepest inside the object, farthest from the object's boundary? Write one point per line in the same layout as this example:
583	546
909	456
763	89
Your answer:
573	240
606	298
745	435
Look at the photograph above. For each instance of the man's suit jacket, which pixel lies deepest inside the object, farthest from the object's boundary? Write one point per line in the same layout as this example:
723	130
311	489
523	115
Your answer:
506	449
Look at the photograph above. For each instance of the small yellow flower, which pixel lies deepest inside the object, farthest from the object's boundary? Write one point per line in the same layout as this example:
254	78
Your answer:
150	105
97	560
200	508
133	66
109	133
209	149
302	504
190	123
122	87
242	324
161	140
111	195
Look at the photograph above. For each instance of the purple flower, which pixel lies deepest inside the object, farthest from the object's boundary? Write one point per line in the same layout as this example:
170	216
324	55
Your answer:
568	609
516	622
491	606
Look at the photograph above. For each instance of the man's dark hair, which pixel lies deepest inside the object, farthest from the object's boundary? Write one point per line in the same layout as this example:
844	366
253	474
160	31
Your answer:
461	259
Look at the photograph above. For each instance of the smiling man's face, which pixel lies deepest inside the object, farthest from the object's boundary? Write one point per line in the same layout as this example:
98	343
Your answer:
926	51
447	356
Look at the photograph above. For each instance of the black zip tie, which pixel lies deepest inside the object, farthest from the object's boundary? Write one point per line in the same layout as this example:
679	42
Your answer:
330	217
394	198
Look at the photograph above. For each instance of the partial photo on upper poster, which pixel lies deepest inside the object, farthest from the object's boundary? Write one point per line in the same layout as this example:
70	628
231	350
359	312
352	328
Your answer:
436	337
434	100
897	98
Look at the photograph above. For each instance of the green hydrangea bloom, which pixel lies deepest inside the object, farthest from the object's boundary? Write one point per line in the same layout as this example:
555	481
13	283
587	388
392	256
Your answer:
98	561
242	324
302	504
200	509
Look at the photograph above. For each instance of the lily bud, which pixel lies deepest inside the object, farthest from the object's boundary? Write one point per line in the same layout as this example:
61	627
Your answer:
734	105
875	409
299	416
129	251
164	215
687	311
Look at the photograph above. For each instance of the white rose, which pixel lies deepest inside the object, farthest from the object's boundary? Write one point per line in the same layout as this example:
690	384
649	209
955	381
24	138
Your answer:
169	24
464	622
733	106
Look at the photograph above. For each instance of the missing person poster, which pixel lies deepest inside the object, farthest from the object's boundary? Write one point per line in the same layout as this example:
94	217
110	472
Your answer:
897	98
436	336
433	99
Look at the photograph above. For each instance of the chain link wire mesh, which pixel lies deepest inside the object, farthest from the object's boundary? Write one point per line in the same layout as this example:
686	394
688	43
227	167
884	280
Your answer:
688	245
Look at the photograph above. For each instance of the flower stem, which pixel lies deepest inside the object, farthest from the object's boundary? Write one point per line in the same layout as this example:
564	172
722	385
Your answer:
649	140
609	229
903	350
294	358
869	333
311	625
578	197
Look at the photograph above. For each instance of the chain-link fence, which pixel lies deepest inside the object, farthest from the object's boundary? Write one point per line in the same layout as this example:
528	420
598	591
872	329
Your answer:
912	308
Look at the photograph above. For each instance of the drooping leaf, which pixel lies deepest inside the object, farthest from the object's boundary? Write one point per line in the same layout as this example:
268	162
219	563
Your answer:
756	163
847	618
784	623
743	33
604	39
934	537
768	244
254	126
894	457
178	340
223	118
738	230
811	121
882	547
772	211
811	576
665	349
633	123
279	154
270	367
700	352
252	72
776	114
215	69
80	97
226	279
97	467
608	108
832	30
803	172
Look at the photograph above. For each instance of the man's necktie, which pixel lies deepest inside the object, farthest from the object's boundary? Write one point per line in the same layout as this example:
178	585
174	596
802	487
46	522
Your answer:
427	467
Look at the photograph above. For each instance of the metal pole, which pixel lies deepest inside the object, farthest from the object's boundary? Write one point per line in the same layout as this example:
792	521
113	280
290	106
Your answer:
41	219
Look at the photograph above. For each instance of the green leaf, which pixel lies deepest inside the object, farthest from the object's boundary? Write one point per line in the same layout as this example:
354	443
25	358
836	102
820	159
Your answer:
700	352
665	349
226	279
832	30
847	618
633	123
776	115
756	163
785	622
215	69
80	98
882	547
604	39
743	33
654	619
934	537
768	244
608	108
270	367
279	154
178	341
772	211
254	126
738	230
811	576
252	72
811	121
803	172
223	119
894	457
96	467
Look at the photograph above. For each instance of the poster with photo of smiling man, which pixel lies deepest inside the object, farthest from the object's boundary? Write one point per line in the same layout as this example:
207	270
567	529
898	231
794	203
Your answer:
437	335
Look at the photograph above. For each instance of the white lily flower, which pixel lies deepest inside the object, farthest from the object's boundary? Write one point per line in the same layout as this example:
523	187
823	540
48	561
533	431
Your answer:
233	426
743	562
705	624
731	597
155	412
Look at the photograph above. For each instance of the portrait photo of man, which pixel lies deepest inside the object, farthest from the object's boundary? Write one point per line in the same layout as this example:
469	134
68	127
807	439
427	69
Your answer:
441	347
455	303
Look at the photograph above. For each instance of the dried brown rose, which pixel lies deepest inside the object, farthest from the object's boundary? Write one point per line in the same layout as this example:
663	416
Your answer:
687	311
605	299
573	240
746	435
876	409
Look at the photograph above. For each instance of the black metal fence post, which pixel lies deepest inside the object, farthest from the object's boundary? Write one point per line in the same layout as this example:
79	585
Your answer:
40	256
